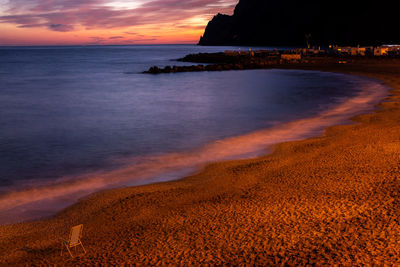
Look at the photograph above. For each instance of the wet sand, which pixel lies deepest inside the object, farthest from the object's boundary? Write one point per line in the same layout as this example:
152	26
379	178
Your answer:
333	199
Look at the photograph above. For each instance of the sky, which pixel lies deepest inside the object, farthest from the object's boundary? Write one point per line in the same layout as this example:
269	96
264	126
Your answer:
100	22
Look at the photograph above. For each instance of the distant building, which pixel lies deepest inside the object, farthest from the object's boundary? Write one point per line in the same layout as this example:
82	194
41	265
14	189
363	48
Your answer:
342	50
347	50
231	53
291	57
351	51
358	51
392	50
381	51
308	51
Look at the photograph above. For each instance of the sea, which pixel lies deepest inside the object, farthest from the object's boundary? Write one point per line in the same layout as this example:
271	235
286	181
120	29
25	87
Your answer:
75	120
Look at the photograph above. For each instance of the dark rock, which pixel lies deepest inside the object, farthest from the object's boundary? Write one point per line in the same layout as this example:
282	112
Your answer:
271	22
167	69
200	67
210	68
238	66
220	30
154	70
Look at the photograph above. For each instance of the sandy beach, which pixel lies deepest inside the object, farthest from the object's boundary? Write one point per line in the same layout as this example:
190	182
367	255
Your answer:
332	199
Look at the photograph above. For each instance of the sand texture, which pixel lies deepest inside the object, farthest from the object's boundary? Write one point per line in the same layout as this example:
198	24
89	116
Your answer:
333	199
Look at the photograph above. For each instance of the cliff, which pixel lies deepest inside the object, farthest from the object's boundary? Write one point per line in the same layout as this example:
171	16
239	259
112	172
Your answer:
267	22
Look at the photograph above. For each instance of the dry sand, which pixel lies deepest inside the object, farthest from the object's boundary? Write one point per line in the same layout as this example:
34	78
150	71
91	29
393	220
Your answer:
333	199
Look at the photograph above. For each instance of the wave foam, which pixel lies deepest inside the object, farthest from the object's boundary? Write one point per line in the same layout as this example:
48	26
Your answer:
47	199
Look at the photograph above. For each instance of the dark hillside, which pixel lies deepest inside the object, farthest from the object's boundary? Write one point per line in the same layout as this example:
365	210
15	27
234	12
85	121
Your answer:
266	22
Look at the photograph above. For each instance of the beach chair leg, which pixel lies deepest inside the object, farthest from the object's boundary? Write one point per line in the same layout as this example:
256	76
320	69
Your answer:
69	251
84	250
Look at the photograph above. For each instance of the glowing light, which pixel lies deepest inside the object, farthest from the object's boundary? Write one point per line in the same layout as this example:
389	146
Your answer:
118	5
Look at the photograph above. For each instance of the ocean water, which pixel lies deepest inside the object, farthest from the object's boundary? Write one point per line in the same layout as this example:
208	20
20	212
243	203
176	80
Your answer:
76	120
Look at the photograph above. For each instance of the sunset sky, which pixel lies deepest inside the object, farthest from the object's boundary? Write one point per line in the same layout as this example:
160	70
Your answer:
90	22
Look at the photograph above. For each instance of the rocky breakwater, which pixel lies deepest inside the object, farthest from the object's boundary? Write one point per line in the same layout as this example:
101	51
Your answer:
193	68
220	62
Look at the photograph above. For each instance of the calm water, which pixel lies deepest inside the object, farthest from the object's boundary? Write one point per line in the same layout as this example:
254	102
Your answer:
66	112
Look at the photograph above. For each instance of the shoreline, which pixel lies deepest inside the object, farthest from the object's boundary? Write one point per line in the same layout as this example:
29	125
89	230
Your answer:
198	207
47	200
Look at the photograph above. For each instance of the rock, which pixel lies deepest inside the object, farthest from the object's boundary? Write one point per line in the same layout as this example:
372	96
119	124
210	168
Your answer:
268	22
167	69
154	70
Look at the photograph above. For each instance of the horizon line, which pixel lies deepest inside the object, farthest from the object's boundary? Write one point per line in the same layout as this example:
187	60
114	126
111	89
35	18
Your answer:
55	45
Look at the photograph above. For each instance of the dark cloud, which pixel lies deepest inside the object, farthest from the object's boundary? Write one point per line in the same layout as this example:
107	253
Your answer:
96	40
145	40
61	27
188	26
32	25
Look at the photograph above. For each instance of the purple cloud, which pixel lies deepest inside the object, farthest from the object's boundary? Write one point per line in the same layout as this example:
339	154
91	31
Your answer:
64	15
115	37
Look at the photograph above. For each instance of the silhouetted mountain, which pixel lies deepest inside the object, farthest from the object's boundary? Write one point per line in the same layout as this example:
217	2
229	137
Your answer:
267	22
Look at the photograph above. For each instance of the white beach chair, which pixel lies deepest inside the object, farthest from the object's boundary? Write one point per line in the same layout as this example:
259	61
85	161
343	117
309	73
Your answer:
74	239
